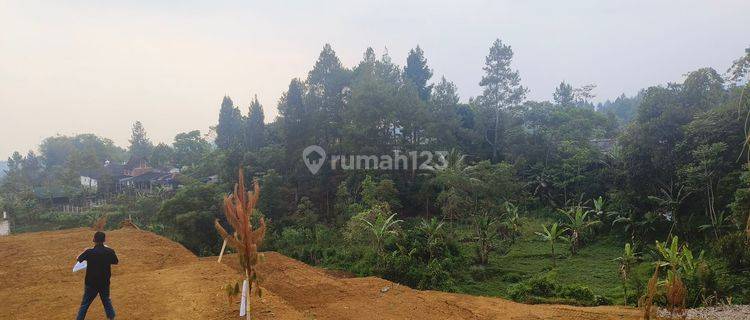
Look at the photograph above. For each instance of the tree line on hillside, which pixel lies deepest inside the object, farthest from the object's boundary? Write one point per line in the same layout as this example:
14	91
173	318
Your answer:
669	163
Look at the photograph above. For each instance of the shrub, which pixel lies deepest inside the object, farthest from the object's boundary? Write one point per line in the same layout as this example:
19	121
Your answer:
315	245
520	292
62	220
600	300
412	262
577	292
188	217
544	288
192	232
734	249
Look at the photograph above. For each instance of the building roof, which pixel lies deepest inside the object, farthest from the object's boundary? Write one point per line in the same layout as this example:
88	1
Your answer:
153	177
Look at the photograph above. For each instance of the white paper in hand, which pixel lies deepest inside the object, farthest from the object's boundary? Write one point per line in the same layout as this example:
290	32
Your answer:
79	266
243	302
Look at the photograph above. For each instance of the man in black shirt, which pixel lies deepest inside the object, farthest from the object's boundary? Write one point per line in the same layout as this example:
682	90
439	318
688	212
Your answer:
99	260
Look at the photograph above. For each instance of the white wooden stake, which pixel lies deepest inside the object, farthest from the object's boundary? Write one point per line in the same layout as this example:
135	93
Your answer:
223	247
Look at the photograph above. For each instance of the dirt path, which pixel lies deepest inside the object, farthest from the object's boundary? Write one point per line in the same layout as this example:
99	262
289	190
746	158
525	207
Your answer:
159	279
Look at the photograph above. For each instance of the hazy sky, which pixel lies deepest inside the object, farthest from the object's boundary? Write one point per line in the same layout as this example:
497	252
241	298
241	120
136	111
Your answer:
69	67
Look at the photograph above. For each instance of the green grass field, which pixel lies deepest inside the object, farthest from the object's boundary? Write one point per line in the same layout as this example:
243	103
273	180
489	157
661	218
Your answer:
594	266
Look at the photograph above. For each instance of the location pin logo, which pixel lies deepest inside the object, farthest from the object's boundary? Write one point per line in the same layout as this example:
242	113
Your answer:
314	157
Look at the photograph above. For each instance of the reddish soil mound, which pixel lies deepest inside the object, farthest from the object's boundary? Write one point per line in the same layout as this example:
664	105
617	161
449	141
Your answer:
317	293
48	257
159	279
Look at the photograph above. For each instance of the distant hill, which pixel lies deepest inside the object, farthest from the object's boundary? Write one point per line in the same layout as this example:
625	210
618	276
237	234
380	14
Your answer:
3	167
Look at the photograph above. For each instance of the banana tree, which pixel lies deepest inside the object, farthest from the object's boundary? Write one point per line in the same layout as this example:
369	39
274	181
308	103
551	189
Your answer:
598	206
511	221
578	224
381	229
433	231
486	234
681	262
552	235
628	259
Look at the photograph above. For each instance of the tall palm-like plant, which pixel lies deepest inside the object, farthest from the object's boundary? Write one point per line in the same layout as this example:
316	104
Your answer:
724	223
433	231
598	209
628	259
381	229
669	202
485	236
679	259
552	235
578	224
455	182
511	221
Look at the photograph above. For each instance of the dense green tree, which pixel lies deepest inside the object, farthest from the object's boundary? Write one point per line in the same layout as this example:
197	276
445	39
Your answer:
444	122
649	144
623	108
162	156
54	151
272	201
376	193
189	217
370	116
140	145
190	148
740	68
563	94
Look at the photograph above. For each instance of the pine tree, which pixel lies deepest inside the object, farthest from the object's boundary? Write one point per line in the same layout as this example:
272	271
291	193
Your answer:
325	84
501	90
294	119
31	167
366	67
418	72
325	70
140	145
255	126
229	129
563	94
444	119
15	161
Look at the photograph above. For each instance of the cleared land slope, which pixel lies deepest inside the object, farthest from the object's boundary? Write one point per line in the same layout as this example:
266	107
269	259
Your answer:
159	279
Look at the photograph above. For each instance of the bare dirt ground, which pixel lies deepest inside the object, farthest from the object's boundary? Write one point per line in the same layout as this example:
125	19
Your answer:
159	279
